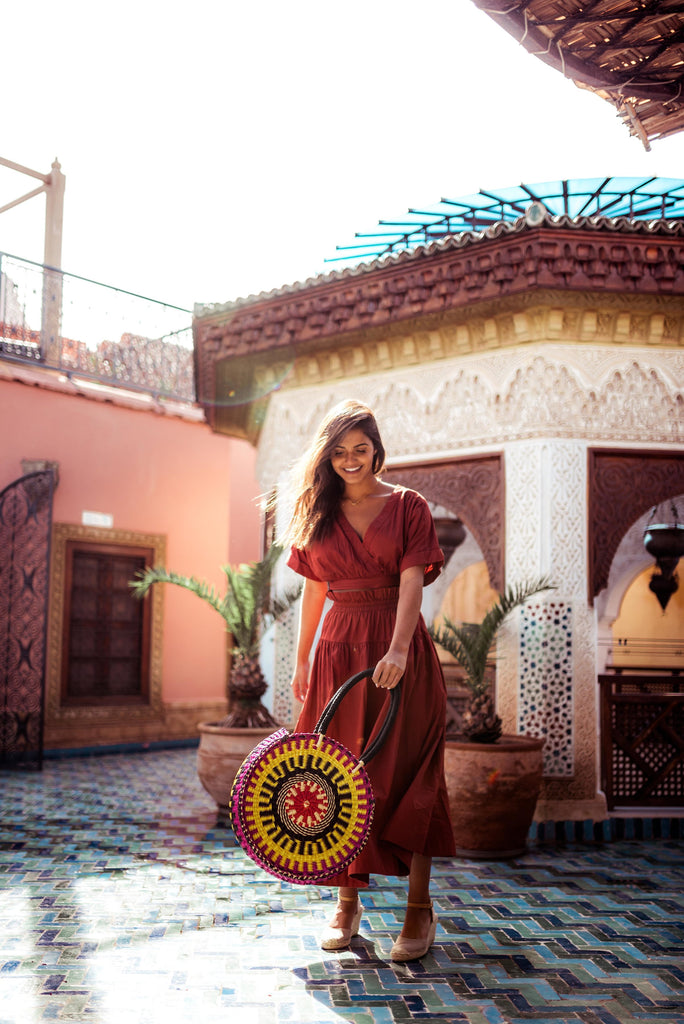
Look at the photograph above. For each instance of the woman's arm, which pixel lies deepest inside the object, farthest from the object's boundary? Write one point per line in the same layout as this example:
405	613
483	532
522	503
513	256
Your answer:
390	668
313	599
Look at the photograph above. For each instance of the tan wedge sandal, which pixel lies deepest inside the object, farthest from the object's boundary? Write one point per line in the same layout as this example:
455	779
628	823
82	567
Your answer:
339	938
413	949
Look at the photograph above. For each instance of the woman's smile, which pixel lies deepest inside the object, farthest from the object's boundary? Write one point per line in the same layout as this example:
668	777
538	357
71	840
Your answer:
352	459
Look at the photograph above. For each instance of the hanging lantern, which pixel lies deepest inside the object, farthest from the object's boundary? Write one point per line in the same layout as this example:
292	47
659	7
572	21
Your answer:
665	543
450	533
663	587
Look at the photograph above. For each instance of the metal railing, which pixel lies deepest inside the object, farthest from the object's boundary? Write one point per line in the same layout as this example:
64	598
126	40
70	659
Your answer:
94	331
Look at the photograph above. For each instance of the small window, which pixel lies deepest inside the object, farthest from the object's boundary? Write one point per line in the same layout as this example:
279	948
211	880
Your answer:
106	631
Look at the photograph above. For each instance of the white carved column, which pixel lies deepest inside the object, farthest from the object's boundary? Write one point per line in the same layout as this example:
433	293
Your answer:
546	676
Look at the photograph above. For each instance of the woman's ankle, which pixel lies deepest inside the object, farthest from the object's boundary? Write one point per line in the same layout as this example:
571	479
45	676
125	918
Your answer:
417	919
347	896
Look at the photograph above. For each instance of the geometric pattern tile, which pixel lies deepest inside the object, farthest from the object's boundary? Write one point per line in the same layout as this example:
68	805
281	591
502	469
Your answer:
124	901
546	698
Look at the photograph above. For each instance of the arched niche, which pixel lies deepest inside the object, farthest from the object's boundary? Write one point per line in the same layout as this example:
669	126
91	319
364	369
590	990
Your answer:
623	488
467	553
629	561
471	488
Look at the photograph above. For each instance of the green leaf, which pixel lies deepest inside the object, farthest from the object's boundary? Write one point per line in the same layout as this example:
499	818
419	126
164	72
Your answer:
248	607
471	643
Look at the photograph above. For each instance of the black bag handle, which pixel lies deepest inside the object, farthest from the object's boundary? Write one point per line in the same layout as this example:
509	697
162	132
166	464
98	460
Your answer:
337	698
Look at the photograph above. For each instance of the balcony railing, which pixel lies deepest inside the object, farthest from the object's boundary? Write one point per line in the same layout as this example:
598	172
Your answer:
94	332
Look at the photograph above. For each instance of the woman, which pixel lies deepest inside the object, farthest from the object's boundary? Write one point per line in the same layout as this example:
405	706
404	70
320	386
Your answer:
371	548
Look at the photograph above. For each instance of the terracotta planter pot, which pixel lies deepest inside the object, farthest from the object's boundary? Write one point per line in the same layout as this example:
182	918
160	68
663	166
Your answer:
493	790
220	754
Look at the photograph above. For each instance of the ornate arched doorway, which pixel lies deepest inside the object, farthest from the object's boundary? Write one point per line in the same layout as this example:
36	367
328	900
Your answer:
640	655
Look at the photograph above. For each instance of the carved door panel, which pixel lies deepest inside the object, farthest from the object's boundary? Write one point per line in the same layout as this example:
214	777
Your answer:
25	526
105	648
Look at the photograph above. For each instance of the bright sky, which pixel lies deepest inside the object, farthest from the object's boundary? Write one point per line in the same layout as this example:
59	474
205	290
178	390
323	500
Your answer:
217	148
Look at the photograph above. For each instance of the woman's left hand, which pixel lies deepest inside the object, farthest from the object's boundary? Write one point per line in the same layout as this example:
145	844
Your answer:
392	666
389	670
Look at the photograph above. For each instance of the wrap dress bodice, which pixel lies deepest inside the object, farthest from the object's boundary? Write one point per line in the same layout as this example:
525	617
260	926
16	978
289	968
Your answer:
407	775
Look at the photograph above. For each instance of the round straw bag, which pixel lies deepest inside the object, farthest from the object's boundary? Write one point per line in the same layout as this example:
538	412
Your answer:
302	804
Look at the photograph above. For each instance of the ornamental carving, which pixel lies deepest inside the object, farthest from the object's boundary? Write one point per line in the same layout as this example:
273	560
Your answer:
622	486
473	489
592	394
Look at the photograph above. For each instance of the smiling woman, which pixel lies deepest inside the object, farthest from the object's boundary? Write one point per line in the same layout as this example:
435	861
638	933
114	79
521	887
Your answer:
354	460
371	548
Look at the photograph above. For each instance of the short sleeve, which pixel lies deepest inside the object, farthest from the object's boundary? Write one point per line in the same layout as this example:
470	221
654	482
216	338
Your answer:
299	561
421	546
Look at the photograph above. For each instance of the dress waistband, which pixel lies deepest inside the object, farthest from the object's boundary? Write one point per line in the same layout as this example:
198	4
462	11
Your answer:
363	583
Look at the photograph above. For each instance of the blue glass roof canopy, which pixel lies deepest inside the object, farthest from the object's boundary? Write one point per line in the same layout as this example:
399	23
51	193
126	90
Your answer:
634	198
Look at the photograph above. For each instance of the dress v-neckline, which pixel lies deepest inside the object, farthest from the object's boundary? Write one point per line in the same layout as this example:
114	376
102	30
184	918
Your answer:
373	521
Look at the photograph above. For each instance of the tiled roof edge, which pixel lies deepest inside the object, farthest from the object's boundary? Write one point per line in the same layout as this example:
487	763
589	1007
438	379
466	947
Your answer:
457	241
36	375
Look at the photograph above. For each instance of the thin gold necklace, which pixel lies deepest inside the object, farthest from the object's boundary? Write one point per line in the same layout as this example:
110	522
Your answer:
371	494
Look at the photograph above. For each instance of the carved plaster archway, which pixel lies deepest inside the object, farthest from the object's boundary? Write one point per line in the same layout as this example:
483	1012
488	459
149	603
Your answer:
630	560
473	489
623	485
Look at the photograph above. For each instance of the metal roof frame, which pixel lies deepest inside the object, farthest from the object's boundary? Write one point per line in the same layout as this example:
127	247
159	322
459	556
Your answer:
633	198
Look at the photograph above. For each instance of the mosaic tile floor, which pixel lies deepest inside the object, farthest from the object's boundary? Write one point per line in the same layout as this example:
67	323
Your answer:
121	900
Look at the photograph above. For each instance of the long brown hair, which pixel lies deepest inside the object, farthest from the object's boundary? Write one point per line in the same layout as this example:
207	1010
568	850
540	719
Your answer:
318	488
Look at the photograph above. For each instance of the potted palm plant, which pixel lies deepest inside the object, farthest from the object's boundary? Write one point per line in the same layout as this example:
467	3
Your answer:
493	778
248	608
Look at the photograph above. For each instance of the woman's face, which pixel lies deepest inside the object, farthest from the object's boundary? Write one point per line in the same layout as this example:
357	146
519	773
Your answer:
352	457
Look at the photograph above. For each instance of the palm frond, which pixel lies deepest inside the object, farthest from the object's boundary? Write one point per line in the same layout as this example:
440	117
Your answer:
458	641
471	643
248	591
247	607
281	604
240	606
144	579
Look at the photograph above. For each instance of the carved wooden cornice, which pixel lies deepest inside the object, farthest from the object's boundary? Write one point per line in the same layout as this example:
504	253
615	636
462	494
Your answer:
544	316
454	298
623	485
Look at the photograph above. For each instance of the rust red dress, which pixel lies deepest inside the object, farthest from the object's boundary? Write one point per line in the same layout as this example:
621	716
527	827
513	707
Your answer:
407	775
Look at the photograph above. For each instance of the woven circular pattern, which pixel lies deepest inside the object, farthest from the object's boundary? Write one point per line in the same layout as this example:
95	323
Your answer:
302	809
306	804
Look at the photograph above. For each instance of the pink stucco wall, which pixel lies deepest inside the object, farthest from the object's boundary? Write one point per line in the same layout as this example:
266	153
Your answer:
155	474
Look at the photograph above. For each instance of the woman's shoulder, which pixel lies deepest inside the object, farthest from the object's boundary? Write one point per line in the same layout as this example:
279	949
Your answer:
410	505
409	496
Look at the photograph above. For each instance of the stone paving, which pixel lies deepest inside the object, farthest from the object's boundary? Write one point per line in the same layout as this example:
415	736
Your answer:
123	900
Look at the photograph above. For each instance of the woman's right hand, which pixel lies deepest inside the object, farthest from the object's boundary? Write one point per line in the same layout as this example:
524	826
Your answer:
300	681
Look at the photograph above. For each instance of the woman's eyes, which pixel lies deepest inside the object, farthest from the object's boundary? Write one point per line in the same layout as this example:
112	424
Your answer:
361	450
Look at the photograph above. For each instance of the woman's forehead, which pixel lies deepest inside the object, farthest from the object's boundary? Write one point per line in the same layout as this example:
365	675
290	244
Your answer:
354	437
